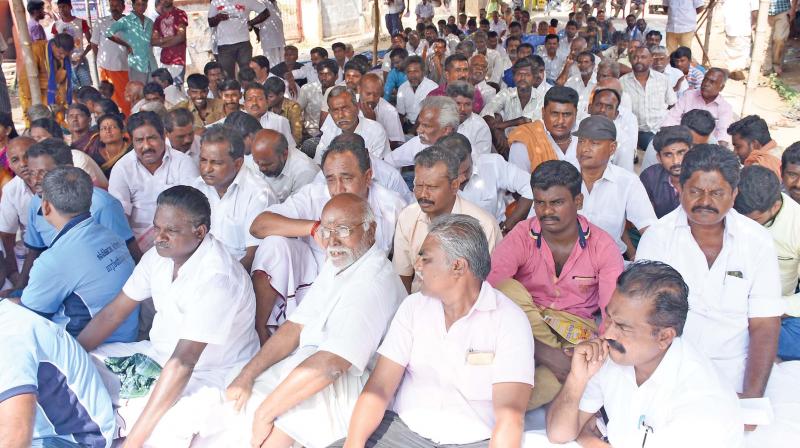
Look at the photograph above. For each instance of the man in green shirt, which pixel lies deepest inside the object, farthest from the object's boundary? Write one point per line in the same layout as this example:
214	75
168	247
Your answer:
135	32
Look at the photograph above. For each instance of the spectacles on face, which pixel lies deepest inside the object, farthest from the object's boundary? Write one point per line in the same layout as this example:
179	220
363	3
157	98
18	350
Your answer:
340	231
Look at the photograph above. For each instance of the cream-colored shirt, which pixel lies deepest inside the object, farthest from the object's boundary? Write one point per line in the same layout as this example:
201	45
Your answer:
785	231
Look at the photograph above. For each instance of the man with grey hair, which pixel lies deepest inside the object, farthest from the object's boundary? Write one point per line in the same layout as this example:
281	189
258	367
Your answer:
302	386
485	330
493	58
99	263
436	187
236	194
344	118
472	125
661	64
438	116
466	47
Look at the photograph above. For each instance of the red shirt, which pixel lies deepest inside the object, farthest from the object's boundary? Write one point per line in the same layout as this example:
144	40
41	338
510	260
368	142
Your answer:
167	25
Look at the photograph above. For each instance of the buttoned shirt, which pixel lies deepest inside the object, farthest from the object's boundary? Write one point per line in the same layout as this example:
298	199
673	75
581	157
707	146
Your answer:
518	153
682	15
424	10
785	231
552	66
235	29
292	112
719	108
487	92
311	199
778	6
404	155
478	133
742	283
137	33
587	279
408	99
211	301
650	103
14	206
110	55
193	152
387	116
576	82
412	228
309	97
616	197
298	171
231	215
444	396
492	177
498	27
215	111
375	138
658	184
278	123
137	189
683	402
507	104
347	312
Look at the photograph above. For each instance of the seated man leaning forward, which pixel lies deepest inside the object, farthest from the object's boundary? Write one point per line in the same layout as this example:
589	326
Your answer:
560	269
202	329
457	361
655	387
288	258
303	384
50	392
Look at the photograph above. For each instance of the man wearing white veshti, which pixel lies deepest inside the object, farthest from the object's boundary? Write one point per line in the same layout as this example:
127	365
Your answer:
303	384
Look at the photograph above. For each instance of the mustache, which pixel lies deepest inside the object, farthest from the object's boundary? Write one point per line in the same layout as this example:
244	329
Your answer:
675	167
703	207
424	202
616	346
551	218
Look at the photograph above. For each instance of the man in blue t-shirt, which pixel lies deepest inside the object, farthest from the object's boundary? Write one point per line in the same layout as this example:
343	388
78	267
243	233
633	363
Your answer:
106	210
86	264
50	391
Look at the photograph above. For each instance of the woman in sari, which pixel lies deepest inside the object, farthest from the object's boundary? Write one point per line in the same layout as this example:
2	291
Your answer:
7	132
114	142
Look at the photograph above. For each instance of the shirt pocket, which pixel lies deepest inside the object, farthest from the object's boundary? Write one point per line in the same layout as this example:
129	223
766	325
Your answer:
476	382
735	292
585	283
232	233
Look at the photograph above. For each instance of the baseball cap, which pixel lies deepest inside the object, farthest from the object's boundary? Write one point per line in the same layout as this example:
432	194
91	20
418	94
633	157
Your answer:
597	127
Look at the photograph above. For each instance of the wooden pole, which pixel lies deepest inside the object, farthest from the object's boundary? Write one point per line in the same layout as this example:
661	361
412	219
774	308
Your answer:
709	18
24	50
376	20
757	58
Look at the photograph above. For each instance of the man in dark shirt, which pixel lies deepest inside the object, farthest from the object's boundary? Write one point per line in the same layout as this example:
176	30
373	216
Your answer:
660	180
290	55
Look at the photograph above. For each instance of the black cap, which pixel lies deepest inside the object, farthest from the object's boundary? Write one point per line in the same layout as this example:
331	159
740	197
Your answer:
597	127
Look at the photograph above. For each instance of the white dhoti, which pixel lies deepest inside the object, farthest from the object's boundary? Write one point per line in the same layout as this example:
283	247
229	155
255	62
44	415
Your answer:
292	267
196	418
737	51
315	423
784	396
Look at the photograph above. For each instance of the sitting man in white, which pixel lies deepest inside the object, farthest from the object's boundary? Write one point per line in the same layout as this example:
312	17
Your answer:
142	174
472	125
344	117
438	116
303	384
202	330
284	168
236	194
255	104
457	361
655	387
288	259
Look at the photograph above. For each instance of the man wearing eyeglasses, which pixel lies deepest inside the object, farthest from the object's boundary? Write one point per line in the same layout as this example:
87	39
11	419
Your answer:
303	384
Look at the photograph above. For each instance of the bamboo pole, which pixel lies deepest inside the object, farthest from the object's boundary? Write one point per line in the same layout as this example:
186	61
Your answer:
24	47
707	41
376	20
757	58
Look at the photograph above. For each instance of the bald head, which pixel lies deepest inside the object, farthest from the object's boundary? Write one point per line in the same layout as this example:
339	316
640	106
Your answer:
347	229
609	83
270	152
370	89
17	159
134	91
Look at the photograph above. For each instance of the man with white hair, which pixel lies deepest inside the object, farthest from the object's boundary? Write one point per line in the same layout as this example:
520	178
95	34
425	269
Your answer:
303	384
472	125
289	258
344	117
438	116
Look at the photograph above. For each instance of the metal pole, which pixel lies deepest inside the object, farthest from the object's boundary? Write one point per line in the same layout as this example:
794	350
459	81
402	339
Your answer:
24	47
757	58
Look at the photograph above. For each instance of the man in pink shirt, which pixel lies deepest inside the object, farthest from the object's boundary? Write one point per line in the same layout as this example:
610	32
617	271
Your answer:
560	269
706	98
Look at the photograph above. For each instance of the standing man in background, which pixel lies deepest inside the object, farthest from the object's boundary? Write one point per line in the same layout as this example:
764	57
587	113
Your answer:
231	20
134	32
394	10
681	21
169	33
271	34
112	58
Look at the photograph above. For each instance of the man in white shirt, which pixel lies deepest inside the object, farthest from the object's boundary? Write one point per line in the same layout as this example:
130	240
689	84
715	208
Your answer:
179	127
487	181
236	194
681	21
14	207
372	106
411	93
112	58
344	117
472	125
553	61
271	34
172	93
232	23
311	95
611	195
606	102
457	362
202	331
302	385
586	79
497	25
738	34
730	265
651	95
478	67
438	117
655	387
142	174
675	76
288	259
285	169
255	104
513	106
493	58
